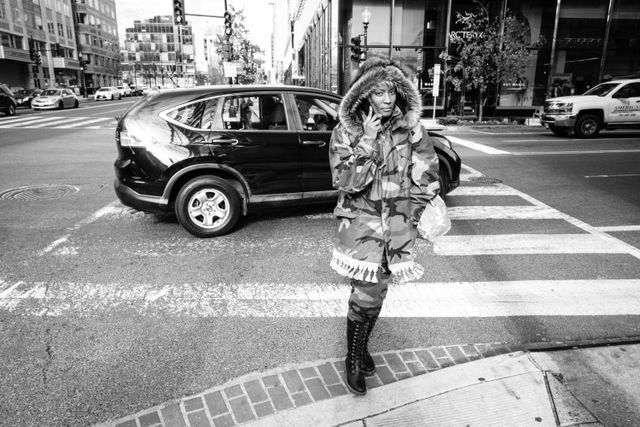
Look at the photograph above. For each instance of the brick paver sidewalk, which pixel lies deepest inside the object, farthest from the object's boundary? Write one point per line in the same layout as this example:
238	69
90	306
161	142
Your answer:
260	394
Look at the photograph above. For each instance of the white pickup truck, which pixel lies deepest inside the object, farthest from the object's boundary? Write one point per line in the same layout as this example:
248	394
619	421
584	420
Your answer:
610	105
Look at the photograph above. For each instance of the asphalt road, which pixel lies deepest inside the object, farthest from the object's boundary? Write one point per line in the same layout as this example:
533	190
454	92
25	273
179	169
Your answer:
144	312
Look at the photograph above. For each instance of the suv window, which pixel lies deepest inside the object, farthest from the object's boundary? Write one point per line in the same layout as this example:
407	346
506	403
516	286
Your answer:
198	115
317	113
266	112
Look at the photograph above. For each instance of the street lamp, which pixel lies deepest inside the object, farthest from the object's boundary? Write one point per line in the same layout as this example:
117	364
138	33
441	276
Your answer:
366	16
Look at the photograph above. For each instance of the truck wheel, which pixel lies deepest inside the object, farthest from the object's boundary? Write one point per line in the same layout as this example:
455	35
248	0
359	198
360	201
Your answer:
587	126
208	206
559	131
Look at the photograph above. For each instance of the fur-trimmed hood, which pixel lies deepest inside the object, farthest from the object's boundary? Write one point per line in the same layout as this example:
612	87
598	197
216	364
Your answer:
371	72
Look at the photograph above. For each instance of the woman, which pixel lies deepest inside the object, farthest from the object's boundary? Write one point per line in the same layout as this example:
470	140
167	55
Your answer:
386	170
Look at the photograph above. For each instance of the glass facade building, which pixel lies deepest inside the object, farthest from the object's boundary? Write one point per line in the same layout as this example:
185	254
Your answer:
159	53
574	45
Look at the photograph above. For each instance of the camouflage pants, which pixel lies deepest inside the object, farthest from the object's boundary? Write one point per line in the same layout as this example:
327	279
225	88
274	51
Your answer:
365	301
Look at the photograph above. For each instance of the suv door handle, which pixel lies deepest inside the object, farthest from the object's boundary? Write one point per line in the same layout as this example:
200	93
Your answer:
318	143
231	141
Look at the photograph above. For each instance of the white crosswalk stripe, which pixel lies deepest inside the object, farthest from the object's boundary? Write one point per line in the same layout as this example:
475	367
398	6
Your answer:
436	299
58	122
439	299
32	121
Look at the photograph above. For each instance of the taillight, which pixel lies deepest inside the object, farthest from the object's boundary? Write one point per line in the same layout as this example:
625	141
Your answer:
129	140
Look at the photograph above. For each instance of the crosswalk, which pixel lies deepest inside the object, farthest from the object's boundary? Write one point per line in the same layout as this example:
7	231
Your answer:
57	122
548	232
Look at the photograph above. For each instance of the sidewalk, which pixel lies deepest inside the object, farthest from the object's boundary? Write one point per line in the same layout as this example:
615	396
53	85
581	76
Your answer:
478	385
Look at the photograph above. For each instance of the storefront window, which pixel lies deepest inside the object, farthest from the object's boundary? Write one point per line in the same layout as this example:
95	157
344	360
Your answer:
581	29
379	23
623	48
419	23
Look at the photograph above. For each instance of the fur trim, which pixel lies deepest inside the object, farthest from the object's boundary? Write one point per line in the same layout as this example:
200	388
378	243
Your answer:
368	76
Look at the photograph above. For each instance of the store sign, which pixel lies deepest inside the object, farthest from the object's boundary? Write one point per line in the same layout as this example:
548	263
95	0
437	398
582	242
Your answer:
465	35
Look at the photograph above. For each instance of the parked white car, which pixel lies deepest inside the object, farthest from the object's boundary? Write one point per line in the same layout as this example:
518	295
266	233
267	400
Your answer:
107	92
124	90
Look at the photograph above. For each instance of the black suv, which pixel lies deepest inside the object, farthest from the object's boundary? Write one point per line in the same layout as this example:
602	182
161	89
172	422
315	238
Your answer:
7	100
211	153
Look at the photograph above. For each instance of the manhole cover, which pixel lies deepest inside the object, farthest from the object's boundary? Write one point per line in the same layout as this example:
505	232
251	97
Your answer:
39	192
486	180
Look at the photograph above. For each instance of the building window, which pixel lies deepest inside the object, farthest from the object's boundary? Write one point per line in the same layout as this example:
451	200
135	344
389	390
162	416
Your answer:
51	27
38	21
60	30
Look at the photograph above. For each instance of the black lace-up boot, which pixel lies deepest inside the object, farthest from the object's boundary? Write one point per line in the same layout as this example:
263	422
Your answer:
368	365
356	336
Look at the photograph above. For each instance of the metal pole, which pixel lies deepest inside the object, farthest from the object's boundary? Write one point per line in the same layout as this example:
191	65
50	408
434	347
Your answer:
605	43
552	60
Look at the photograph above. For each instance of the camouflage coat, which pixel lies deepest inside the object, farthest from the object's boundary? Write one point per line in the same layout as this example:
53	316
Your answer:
383	184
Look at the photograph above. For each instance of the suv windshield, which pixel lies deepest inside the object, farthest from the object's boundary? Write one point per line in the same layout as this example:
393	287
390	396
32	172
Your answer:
602	89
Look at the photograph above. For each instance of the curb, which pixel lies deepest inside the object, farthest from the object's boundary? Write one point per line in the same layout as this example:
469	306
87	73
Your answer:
260	394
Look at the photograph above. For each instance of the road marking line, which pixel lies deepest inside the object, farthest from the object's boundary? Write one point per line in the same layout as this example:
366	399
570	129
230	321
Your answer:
19	119
293	300
6	292
60	120
613	176
476	146
484	190
539	140
503	212
32	120
86	122
111	207
467	173
618	228
577	152
525	244
631	250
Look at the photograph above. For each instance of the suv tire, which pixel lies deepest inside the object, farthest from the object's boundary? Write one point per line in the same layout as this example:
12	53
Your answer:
559	131
587	126
208	206
444	178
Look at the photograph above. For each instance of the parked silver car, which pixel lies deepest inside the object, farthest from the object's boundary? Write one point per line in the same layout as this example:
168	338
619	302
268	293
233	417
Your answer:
52	99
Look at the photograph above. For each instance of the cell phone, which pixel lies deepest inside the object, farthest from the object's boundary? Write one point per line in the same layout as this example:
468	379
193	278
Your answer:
364	106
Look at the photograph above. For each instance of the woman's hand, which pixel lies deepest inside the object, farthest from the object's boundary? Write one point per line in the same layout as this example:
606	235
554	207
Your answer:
371	124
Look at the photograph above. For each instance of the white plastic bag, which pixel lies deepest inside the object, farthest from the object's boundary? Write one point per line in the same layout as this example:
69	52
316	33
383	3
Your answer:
434	221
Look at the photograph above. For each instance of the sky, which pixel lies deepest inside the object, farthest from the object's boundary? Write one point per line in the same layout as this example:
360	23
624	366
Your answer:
258	15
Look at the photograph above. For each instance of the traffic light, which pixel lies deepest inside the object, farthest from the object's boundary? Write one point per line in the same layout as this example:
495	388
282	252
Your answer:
227	51
38	58
83	65
178	12
356	50
32	53
57	49
228	21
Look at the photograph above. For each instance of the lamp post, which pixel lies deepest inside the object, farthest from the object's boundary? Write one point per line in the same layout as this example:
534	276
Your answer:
366	16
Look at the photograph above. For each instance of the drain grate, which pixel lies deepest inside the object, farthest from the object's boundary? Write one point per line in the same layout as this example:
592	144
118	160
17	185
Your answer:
39	192
486	180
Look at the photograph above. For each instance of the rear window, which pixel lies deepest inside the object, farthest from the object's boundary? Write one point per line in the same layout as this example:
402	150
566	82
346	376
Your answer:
202	114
